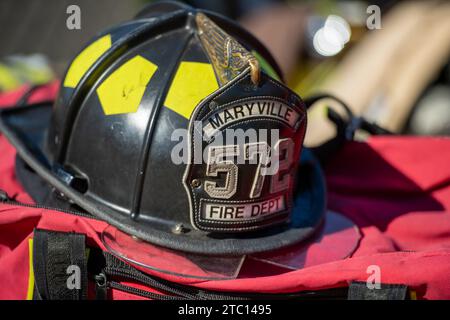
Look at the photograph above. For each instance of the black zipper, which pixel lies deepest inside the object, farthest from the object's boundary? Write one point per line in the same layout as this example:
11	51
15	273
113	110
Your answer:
101	287
171	289
4	198
118	270
142	293
102	284
329	294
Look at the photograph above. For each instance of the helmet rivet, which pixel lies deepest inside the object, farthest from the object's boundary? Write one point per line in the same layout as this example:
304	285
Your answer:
178	228
212	105
293	99
195	183
136	239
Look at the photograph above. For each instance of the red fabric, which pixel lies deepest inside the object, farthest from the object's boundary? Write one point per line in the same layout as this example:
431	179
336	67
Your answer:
42	94
396	189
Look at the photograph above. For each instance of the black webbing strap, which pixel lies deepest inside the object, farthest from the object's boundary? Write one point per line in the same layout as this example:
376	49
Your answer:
59	265
360	291
346	127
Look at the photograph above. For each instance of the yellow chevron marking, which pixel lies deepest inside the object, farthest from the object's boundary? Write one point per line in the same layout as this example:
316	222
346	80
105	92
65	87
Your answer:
122	90
192	83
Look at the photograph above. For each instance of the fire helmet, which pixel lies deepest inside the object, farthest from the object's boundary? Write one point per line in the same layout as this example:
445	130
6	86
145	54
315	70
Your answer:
177	129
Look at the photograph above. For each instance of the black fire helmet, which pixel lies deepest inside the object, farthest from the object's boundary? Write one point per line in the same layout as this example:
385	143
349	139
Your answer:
108	143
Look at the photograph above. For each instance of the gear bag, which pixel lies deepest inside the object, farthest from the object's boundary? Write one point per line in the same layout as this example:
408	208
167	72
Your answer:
395	189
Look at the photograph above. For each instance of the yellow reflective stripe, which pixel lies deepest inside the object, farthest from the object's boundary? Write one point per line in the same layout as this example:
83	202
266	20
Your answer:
193	81
122	91
30	290
8	81
85	59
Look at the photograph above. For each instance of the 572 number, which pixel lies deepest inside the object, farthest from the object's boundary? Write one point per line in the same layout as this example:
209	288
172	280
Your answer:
219	161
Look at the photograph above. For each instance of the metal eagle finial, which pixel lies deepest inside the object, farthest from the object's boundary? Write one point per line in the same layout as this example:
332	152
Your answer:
228	57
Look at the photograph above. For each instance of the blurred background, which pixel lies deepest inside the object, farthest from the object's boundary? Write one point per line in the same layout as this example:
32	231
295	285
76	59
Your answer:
395	73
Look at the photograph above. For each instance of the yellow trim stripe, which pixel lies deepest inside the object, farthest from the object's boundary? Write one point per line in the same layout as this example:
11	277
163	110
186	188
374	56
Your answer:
193	81
85	60
30	290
